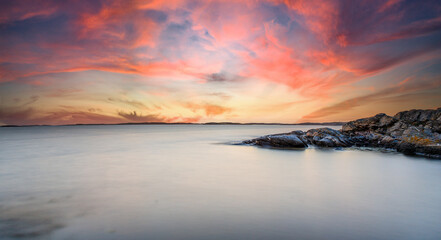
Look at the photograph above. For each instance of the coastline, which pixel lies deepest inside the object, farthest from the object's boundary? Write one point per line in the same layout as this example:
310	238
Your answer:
414	132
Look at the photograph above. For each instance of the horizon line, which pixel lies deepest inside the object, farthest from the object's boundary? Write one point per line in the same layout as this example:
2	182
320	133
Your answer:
175	123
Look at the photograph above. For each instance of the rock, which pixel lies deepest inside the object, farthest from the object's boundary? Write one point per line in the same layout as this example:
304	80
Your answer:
406	148
397	129
388	142
298	132
378	123
429	118
410	132
386	121
279	140
327	137
325	142
432	151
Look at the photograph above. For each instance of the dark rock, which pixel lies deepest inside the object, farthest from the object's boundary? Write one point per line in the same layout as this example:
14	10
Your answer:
378	123
279	140
429	118
298	132
326	142
397	129
388	142
433	151
327	137
410	132
406	148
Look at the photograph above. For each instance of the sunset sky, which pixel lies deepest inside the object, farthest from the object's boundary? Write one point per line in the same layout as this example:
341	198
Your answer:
67	62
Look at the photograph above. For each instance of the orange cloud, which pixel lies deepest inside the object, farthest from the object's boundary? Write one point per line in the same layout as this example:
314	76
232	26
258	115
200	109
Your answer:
209	109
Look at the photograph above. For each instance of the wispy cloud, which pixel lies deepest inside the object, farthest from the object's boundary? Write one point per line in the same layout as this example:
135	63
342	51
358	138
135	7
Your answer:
405	89
133	103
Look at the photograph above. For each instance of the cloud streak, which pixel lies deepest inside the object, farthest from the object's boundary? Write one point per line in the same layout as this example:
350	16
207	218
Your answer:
402	90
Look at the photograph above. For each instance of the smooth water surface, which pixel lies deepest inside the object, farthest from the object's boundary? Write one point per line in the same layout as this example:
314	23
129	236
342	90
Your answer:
184	182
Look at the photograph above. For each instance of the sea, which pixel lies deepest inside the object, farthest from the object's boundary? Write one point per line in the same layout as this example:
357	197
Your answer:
192	182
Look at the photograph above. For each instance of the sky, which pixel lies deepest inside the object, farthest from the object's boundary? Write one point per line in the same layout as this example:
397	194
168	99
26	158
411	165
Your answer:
286	61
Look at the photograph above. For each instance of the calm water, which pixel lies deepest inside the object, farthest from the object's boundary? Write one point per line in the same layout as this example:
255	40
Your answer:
182	182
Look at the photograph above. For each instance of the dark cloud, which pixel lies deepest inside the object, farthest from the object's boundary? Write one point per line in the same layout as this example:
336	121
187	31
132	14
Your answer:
135	117
216	77
221	77
155	15
277	13
175	29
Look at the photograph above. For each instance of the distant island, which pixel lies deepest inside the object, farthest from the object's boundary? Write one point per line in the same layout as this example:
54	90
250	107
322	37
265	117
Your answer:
414	132
182	123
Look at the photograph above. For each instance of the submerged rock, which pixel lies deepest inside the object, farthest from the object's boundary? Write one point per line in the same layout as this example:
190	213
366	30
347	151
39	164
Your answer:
410	132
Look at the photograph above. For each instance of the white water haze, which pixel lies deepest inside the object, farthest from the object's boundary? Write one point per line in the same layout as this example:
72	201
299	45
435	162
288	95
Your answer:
184	182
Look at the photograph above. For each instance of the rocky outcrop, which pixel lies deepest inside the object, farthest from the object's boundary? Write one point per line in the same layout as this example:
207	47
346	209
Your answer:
327	137
378	123
288	140
410	132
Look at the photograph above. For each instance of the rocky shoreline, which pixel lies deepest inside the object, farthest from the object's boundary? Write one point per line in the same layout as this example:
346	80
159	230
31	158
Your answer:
414	132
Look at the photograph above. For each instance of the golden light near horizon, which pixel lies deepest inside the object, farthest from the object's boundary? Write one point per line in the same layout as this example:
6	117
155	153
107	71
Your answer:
215	61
